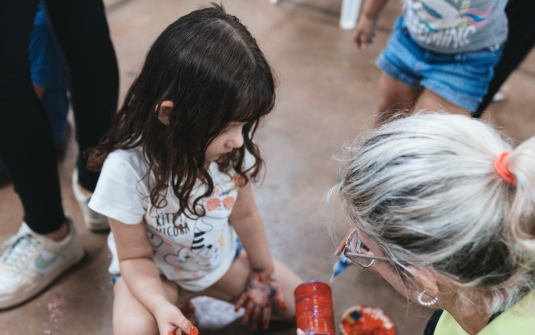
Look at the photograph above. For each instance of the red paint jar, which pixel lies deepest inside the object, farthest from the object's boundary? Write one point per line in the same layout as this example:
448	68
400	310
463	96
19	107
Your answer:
314	308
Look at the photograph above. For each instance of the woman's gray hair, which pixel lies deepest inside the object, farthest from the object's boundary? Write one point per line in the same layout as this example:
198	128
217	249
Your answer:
425	191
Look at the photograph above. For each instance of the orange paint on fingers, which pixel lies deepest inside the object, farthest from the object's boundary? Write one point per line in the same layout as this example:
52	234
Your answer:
193	330
282	305
245	318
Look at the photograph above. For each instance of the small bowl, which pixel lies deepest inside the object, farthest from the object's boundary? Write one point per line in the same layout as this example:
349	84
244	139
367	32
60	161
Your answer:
366	320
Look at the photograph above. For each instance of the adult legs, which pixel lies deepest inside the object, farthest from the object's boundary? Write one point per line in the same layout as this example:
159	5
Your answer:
82	31
26	139
520	41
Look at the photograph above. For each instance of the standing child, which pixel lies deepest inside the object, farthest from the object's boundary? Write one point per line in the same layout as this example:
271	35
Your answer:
175	182
440	53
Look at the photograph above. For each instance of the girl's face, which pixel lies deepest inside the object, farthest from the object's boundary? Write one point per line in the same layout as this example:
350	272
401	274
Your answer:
231	138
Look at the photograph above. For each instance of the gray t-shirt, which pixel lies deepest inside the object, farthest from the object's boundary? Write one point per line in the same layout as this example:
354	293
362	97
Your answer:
453	26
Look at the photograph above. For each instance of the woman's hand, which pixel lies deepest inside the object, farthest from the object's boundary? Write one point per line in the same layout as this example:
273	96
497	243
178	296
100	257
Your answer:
257	298
364	32
171	321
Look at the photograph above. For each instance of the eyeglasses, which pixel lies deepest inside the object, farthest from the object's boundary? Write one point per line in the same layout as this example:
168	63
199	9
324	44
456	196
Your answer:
359	253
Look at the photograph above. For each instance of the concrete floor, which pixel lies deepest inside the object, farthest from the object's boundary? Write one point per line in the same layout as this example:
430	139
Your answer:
327	94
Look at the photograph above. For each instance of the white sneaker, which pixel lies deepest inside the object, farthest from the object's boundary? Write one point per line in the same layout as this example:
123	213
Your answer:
93	220
32	261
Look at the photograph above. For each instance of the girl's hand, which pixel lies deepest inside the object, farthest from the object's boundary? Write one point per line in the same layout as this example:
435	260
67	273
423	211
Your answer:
171	321
364	32
257	299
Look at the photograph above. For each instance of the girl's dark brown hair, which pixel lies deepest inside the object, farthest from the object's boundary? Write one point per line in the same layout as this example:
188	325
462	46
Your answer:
211	68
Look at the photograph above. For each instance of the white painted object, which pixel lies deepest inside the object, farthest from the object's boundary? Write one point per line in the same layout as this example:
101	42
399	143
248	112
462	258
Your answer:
349	14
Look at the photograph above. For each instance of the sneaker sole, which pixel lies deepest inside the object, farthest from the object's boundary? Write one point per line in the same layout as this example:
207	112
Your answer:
32	291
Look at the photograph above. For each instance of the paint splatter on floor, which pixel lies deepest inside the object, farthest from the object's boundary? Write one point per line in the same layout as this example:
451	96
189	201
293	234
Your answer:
55	307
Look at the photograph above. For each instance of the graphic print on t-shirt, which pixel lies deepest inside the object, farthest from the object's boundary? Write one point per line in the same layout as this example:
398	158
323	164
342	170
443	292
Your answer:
440	23
208	231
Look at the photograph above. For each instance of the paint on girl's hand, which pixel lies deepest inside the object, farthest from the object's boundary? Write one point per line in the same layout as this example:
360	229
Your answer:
171	332
259	277
282	305
245	318
193	330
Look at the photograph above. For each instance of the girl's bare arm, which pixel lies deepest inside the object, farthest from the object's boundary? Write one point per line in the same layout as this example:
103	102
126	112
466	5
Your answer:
248	224
263	288
365	30
142	277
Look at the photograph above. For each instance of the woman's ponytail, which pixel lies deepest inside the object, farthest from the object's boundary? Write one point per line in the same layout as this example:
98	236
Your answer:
521	216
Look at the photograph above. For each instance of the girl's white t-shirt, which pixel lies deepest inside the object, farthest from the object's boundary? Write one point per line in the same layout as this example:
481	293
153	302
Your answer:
194	253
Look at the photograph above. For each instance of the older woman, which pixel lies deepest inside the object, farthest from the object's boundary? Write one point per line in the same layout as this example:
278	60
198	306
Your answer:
446	215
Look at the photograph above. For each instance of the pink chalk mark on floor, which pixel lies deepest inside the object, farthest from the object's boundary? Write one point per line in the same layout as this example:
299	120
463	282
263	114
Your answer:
55	307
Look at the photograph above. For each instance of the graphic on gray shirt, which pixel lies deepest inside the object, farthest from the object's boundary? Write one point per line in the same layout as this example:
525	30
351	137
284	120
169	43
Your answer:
453	26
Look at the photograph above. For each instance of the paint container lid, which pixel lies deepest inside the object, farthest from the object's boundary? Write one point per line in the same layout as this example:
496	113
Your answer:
366	320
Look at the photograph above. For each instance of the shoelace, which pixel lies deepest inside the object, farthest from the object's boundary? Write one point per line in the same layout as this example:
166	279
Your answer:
20	246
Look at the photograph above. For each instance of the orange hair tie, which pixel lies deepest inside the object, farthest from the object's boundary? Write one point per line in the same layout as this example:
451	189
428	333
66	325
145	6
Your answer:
500	165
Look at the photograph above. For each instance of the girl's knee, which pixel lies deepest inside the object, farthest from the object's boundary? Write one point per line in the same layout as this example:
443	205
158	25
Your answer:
130	317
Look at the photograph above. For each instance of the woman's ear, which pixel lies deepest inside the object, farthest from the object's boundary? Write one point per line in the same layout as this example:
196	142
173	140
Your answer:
426	278
164	111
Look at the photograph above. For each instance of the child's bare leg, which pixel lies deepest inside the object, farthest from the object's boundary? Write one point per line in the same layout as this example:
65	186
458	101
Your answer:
395	97
232	285
130	317
431	101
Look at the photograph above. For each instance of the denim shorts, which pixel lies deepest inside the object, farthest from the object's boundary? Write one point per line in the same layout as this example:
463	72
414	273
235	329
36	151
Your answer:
462	78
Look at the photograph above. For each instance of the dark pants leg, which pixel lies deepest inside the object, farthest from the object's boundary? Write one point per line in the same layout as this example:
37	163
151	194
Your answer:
26	140
82	31
521	16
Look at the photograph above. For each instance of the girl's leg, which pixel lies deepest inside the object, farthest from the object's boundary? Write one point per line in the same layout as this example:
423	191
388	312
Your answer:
395	98
130	317
431	101
232	285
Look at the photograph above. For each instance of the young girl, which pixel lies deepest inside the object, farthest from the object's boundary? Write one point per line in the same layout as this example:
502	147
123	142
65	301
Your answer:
175	182
441	53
